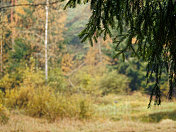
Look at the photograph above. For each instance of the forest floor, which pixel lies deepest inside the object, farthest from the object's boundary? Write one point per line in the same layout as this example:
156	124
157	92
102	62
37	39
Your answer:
113	114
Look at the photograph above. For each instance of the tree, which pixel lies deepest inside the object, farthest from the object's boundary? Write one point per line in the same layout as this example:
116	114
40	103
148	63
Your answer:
151	22
28	34
46	42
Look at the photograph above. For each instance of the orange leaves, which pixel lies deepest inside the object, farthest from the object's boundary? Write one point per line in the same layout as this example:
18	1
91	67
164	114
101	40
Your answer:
95	54
134	40
20	9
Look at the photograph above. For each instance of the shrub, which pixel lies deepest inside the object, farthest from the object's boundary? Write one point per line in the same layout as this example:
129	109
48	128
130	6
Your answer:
9	82
114	83
86	83
39	103
39	100
1	97
19	97
32	78
46	103
57	81
4	114
85	109
22	76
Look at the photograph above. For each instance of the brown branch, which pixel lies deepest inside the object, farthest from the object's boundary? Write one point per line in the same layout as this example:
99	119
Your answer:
69	74
39	4
71	83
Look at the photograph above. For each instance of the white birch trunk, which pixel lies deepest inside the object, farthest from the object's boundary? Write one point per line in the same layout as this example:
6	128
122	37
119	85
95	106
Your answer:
46	41
1	40
1	54
12	9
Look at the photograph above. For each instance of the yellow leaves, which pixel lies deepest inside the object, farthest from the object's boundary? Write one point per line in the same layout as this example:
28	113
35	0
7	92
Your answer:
32	78
95	55
67	63
4	114
7	82
20	9
56	25
92	56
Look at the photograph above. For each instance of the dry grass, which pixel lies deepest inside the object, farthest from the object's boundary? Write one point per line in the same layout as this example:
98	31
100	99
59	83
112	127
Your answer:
128	114
21	123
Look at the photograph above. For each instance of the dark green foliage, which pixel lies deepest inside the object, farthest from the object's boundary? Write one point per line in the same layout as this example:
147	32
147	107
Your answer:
20	55
21	51
114	83
151	22
76	21
135	70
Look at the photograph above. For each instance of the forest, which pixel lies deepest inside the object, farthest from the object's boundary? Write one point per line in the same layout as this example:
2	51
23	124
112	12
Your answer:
54	79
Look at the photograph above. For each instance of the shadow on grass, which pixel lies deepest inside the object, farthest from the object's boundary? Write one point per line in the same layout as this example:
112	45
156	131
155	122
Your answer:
157	117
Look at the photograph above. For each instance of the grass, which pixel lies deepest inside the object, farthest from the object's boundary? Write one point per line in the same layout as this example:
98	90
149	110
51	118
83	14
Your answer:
21	123
112	114
134	107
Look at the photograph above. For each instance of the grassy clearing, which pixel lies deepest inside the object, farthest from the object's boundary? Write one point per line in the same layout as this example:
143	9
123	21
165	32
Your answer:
112	114
21	123
134	108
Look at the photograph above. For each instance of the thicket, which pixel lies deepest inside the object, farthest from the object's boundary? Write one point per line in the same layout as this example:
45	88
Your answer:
38	100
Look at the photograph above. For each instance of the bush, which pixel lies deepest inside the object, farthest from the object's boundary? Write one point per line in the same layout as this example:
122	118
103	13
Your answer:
4	114
57	81
114	83
39	104
19	97
32	78
1	97
26	76
9	82
86	83
39	100
46	103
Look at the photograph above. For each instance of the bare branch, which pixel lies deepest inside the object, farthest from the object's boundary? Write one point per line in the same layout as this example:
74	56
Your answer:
71	83
76	69
31	4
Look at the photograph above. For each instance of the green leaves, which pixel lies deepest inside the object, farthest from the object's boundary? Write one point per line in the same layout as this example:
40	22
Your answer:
152	23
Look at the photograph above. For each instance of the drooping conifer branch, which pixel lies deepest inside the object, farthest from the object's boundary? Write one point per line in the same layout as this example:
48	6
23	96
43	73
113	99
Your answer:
151	22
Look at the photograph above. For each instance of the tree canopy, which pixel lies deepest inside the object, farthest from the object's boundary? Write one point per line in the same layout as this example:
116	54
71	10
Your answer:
151	23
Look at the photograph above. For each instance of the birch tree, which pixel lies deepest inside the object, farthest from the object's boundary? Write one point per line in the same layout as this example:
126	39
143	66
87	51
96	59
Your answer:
46	41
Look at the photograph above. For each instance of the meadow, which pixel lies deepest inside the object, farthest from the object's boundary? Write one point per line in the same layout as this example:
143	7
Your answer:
112	113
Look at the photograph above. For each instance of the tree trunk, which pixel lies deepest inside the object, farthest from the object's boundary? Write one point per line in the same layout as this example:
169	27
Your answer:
1	54
1	40
46	41
12	22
